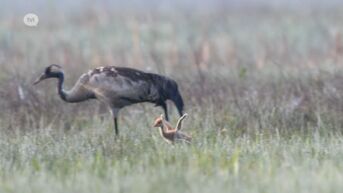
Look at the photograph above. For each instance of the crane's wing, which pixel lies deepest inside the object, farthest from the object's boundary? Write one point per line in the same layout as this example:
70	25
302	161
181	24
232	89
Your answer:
114	87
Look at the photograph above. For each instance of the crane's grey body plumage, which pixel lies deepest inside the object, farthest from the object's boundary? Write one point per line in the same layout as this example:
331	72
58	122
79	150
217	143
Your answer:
118	87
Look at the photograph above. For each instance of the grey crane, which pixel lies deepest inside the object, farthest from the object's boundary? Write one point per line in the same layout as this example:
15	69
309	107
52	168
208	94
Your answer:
117	87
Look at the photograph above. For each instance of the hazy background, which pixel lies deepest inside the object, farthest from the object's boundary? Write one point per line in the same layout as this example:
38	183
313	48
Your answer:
51	7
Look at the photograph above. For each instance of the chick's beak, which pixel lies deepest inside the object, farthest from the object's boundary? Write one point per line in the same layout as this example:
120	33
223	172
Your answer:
157	124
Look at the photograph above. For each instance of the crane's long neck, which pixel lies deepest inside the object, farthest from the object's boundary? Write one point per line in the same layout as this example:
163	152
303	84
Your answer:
72	96
63	94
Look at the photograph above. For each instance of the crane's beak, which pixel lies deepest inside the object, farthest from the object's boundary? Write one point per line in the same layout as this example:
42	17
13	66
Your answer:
39	79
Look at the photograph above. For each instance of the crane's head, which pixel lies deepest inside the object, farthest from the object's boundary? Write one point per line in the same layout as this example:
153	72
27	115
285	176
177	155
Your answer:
159	121
173	94
51	71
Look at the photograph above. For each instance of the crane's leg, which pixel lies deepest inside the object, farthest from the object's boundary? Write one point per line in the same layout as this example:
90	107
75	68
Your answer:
116	126
165	108
114	112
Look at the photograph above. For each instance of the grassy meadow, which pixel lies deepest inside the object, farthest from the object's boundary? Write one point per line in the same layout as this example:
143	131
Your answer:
263	88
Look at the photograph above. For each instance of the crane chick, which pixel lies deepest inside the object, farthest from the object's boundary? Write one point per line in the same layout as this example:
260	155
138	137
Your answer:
170	134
